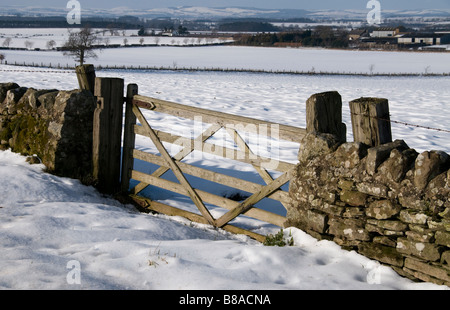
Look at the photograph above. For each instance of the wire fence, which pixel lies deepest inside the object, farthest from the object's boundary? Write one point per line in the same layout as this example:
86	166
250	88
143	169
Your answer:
38	71
403	123
174	67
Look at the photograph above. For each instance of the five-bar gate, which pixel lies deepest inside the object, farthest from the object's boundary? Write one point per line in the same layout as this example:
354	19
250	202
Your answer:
231	123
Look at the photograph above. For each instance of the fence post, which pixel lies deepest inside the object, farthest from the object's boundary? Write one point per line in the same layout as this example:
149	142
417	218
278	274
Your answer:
107	135
86	77
128	139
324	115
371	121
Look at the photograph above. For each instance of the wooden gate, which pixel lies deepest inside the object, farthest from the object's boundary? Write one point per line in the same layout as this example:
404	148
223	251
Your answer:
271	189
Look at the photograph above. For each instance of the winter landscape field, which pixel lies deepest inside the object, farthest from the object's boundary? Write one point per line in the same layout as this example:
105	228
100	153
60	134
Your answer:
50	224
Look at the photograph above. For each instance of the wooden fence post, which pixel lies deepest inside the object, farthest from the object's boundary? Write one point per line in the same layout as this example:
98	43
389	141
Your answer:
324	115
371	121
107	135
86	77
129	138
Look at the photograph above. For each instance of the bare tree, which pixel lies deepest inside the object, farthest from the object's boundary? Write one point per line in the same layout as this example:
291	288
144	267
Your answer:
2	57
7	42
29	44
51	44
81	45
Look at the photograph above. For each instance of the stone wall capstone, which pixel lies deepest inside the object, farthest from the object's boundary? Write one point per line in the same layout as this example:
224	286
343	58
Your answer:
54	125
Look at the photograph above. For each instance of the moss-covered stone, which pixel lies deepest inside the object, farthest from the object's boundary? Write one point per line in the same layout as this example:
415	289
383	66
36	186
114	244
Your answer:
428	269
349	229
381	253
353	198
443	238
383	209
55	125
4	87
427	251
413	217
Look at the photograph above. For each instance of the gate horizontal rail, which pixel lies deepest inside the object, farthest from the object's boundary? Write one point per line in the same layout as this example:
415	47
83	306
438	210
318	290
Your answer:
286	132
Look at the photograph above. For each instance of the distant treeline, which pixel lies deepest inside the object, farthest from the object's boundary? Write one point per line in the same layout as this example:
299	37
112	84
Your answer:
257	25
61	22
132	22
249	26
321	36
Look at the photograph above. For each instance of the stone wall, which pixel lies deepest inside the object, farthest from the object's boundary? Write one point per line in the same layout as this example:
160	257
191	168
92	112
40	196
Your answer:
386	202
56	126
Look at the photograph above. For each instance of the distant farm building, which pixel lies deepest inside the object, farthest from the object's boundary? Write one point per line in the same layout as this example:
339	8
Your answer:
356	34
384	32
425	39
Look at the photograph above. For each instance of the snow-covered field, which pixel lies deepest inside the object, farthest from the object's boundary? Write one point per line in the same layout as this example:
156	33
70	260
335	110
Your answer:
48	223
224	57
252	58
38	38
280	98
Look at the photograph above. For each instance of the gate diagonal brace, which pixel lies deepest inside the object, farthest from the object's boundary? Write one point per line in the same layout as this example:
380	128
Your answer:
174	167
265	175
255	198
240	142
180	156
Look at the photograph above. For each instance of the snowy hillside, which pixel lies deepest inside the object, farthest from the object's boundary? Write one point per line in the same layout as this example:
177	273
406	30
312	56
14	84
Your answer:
199	12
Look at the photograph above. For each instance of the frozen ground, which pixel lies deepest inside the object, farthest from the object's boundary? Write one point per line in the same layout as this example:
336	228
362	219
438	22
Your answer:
48	222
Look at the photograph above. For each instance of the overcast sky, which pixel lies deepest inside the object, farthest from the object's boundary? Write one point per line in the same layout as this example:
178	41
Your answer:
269	4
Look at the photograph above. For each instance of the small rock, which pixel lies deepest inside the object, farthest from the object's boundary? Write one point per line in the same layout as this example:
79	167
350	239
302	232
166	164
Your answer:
314	145
429	165
383	209
413	217
377	155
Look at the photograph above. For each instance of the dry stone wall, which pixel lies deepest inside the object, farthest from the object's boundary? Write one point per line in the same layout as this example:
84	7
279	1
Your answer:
54	125
387	202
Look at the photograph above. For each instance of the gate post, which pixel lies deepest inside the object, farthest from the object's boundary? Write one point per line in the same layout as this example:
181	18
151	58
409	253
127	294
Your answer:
86	77
129	138
324	115
107	134
371	121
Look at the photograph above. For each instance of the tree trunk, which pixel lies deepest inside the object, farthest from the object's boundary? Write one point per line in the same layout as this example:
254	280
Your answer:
81	58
